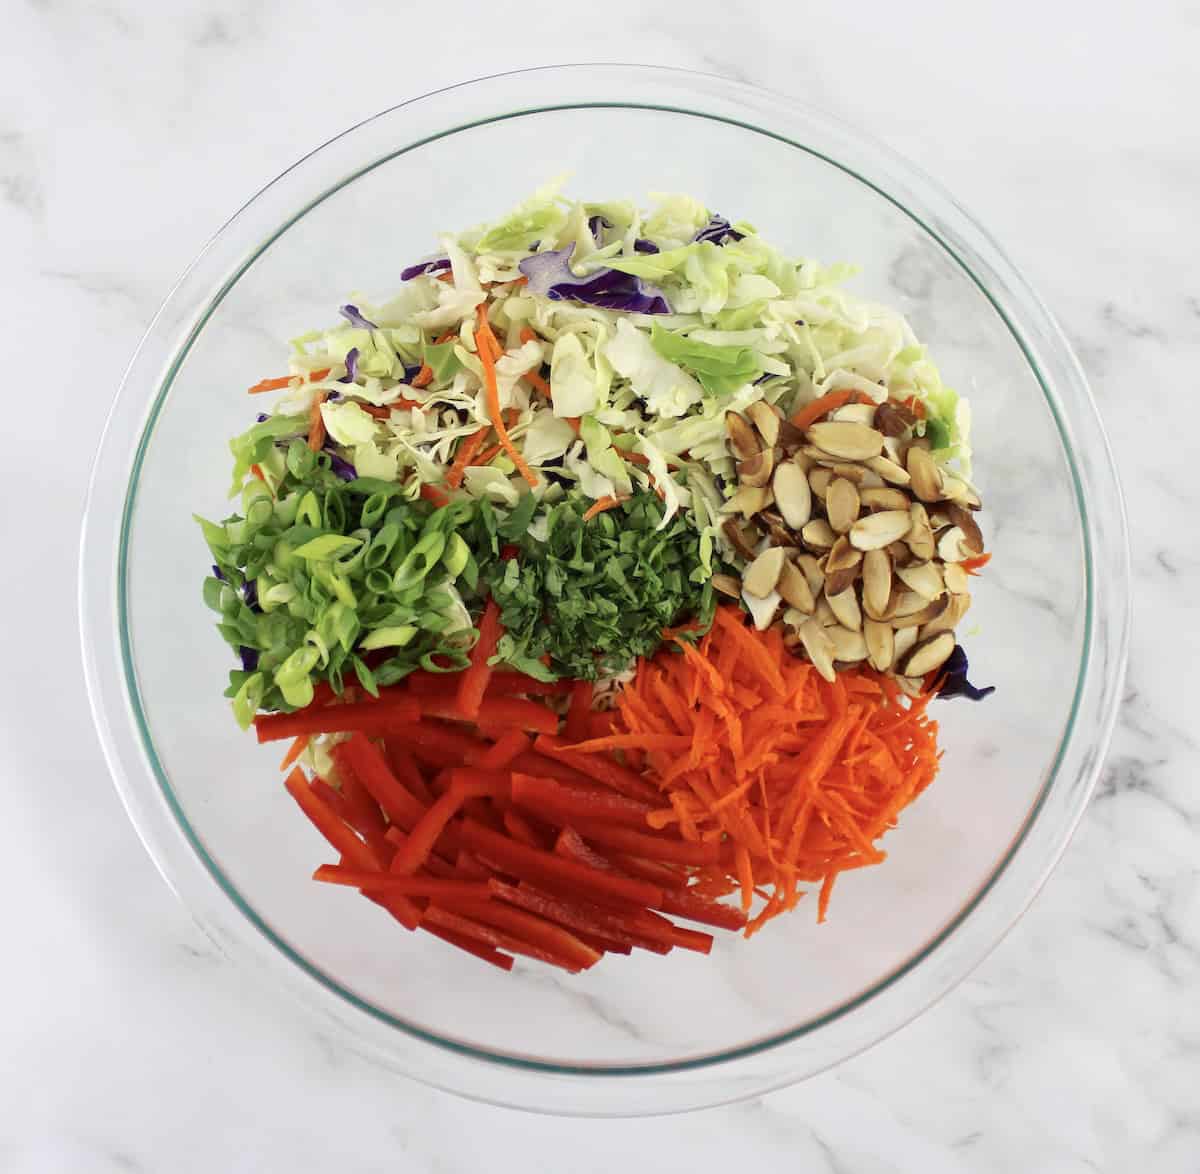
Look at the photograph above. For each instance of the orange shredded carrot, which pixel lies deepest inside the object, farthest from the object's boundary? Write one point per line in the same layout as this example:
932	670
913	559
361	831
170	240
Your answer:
294	751
424	377
285	381
528	335
795	778
823	405
600	505
488	455
484	339
974	565
538	383
316	423
468	449
916	406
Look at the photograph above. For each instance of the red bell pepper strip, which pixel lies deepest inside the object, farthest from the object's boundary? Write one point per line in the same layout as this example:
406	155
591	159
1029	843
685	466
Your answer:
562	803
496	711
467	927
478	949
408	886
368	764
411	855
649	846
474	681
599	767
579	710
373	717
529	927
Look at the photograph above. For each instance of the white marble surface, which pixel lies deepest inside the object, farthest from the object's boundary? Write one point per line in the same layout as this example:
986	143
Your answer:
129	132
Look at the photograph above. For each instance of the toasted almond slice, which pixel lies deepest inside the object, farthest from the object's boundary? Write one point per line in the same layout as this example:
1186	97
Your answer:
841	504
780	534
842	555
923	578
949	618
844	606
848	647
900	554
767	420
738	537
762	611
794	617
839	580
875	531
819	478
972	536
742	438
856	473
926	476
957	580
927	614
952	547
928	655
793	498
763	573
817	535
908	603
881	644
846	439
910	686
727	585
920	536
756	470
794	588
877	583
894	419
883	499
889	470
819	647
810	568
859	413
902	641
748	500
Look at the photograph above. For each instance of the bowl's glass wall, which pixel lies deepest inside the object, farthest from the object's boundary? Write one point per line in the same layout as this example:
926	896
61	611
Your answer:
1026	629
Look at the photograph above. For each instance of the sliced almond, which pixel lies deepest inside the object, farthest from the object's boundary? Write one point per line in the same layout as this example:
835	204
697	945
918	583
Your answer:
793	498
920	536
794	589
894	419
790	437
848	647
875	531
955	489
748	500
741	541
819	479
949	618
902	641
819	647
926	476
842	579
842	556
928	655
756	470
817	535
958	582
742	438
910	686
846	439
927	614
810	568
889	470
859	413
908	603
841	504
952	547
823	614
923	578
727	585
780	534
844	606
883	499
900	555
763	573
762	610
877	583
767	420
881	644
972	537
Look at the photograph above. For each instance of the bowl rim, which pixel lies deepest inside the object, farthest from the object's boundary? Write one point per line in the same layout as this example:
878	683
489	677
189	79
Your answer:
114	695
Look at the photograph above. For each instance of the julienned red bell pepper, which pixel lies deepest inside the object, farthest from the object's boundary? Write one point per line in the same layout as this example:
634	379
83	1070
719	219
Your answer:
408	886
412	855
467	927
372	717
329	824
648	846
470	945
563	803
474	682
405	770
687	905
497	756
578	711
529	927
364	759
554	872
520	829
496	711
438	744
599	767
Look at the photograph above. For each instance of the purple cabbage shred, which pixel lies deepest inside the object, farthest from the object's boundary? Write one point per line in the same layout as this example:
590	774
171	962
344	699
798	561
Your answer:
434	265
597	226
550	276
718	231
261	418
250	594
642	245
351	366
249	658
217	573
954	681
351	314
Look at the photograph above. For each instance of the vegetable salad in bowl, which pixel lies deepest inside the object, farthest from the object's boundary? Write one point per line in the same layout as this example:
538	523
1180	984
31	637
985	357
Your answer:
601	581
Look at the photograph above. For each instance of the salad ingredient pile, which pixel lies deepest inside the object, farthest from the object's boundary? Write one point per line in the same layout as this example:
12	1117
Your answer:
475	576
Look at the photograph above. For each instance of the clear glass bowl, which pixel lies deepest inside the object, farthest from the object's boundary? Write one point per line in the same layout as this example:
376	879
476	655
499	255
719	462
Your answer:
640	1035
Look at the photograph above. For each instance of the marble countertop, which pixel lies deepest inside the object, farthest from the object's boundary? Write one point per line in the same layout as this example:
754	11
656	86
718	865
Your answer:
129	131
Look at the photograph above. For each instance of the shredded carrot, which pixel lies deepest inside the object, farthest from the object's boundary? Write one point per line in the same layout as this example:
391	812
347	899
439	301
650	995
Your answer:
424	377
316	423
974	565
600	505
256	471
916	406
528	335
294	751
483	340
822	406
488	455
285	381
434	494
536	381
467	451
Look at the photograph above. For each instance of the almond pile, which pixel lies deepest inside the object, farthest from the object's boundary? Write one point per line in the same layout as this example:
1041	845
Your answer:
852	536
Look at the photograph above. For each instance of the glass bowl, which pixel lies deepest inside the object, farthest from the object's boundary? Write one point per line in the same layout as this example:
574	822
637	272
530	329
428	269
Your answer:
645	1034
